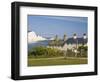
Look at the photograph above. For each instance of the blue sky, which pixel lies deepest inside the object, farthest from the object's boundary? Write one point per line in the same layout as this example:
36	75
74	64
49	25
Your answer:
49	26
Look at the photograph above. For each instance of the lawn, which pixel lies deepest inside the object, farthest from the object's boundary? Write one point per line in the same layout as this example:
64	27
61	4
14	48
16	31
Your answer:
56	61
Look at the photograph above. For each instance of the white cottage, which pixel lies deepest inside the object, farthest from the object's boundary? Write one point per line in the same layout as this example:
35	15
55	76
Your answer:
70	44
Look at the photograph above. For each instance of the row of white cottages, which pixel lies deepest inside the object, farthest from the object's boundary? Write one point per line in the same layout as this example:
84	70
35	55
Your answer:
70	44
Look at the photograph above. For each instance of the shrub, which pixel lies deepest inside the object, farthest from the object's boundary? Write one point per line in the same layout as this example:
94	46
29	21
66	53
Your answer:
42	51
83	51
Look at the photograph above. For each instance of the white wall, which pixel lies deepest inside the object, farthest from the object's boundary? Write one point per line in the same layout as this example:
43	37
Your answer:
5	40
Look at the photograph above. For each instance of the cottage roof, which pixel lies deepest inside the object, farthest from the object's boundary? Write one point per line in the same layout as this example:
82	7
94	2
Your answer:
70	41
73	41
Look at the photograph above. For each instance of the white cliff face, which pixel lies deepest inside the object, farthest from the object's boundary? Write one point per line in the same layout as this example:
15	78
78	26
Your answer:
51	38
32	37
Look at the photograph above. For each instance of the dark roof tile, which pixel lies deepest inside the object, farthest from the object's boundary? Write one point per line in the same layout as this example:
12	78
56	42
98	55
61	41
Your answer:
73	41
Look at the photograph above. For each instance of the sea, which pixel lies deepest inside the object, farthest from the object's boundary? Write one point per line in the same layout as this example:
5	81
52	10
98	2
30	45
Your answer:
38	43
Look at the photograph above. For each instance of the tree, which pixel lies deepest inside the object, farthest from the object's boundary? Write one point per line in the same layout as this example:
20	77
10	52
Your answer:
56	41
83	50
64	37
56	38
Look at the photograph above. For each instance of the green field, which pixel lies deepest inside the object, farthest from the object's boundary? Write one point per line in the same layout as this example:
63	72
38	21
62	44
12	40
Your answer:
44	56
56	61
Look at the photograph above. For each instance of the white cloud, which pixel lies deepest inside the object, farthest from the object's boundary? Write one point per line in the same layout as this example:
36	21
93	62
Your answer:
32	37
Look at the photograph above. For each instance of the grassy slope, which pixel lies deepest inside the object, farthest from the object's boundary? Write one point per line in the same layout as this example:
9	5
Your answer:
56	61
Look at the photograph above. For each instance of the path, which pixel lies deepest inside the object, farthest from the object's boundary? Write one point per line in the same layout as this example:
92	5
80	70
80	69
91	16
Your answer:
56	58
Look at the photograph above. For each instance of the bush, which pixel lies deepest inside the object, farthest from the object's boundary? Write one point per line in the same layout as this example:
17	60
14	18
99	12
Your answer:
83	51
42	51
70	53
